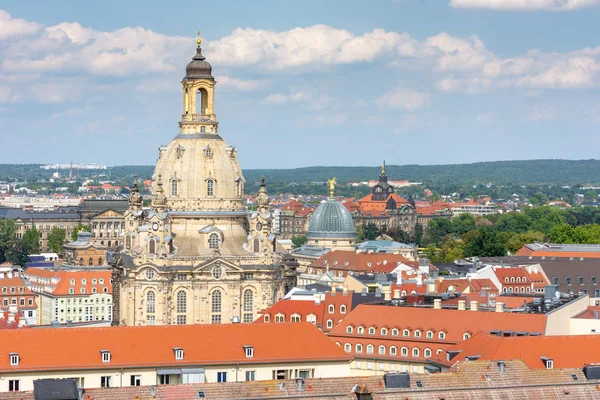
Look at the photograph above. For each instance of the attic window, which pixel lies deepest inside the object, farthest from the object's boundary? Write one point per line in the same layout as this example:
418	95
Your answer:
178	353
548	362
14	358
249	350
105	355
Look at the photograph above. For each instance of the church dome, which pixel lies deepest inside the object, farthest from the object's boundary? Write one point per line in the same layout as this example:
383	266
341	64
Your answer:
331	220
198	67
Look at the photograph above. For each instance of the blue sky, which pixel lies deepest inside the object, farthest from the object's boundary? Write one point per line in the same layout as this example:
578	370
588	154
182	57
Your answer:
304	83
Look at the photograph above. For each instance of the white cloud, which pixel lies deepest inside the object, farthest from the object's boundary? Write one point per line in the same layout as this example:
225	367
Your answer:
526	5
13	27
403	98
239	84
276	98
541	113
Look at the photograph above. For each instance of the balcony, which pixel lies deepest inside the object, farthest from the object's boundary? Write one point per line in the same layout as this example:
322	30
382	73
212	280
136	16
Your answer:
198	118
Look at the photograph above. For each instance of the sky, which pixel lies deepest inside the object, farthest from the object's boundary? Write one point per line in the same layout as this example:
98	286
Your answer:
317	82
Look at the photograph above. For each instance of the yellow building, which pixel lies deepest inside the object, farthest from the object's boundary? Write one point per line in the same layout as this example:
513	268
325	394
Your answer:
196	255
167	355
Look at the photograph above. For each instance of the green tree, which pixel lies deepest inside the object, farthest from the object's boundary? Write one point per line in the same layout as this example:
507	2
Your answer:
298	241
418	237
437	229
590	195
31	241
79	228
485	242
562	233
518	240
56	239
463	223
18	254
367	232
452	250
8	231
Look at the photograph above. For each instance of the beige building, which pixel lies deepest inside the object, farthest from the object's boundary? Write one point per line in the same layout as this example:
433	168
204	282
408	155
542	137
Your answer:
138	356
71	296
196	255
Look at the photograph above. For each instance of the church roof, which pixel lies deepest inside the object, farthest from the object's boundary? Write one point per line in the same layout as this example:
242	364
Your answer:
332	220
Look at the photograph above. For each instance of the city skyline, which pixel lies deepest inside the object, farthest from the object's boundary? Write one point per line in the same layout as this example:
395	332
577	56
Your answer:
473	80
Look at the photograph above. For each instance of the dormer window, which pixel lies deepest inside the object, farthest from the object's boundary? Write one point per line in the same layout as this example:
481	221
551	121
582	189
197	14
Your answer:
178	353
249	350
105	355
83	282
72	282
14	358
548	362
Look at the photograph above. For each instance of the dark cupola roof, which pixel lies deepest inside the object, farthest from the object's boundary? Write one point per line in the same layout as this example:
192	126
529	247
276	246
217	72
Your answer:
198	67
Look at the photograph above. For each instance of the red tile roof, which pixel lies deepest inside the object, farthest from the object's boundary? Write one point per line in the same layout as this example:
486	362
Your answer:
343	260
565	351
288	308
68	349
454	322
65	283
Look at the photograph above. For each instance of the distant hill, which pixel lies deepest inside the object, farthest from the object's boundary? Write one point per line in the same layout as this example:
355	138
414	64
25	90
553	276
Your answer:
551	172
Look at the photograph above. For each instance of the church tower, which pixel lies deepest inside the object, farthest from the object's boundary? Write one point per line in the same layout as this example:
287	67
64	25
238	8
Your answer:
382	190
195	255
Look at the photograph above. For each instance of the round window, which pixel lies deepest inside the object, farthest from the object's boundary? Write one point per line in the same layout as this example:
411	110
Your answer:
217	272
149	274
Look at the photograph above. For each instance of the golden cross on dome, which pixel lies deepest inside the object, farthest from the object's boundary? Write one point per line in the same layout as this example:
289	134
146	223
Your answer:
199	40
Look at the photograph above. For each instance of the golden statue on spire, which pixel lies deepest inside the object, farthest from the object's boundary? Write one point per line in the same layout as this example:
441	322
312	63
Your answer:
199	40
383	168
331	186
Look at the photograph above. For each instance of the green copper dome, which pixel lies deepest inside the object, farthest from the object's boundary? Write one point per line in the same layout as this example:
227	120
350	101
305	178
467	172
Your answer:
331	220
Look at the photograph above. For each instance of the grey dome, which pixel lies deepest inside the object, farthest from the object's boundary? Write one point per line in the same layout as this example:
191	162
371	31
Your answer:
331	220
198	67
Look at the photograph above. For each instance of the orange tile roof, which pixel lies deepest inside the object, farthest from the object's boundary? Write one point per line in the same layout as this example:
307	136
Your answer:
344	260
16	282
65	276
588	313
69	349
566	351
289	307
454	322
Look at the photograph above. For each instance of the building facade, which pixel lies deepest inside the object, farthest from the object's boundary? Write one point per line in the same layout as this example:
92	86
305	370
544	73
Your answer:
196	255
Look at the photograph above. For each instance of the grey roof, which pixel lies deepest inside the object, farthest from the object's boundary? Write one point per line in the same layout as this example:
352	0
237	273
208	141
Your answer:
83	239
383	245
311	251
564	247
55	389
331	220
102	205
17	213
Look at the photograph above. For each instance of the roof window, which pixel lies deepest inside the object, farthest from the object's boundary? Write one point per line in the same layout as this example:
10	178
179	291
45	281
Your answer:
249	350
105	355
548	362
178	353
14	358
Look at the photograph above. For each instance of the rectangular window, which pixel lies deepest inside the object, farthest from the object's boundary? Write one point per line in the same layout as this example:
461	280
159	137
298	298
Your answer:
150	320
14	359
280	374
136	380
105	381
13	385
248	318
568	279
250	375
216	319
593	280
221	376
181	320
164	379
306	373
555	280
580	279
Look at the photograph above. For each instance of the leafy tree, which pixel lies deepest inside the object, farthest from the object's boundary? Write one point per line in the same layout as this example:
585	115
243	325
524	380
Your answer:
418	237
590	195
79	228
452	250
31	241
485	242
562	233
56	239
513	222
8	231
437	229
367	232
298	241
518	240
18	254
399	235
463	223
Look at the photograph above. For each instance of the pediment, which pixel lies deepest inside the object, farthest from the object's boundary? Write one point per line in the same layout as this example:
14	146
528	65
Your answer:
108	214
210	264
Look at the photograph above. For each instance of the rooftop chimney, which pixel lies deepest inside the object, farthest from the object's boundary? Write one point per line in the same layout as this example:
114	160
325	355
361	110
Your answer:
473	305
462	305
11	317
501	366
437	304
499	307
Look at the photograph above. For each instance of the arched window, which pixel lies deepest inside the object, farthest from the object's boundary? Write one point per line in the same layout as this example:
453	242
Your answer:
256	245
202	129
369	349
466	336
348	329
381	350
427	353
174	188
371	331
384	332
441	335
295	318
281	318
358	348
342	309
210	187
393	351
415	352
528	289
216	301
429	335
128	242
348	347
248	300
267	318
417	333
404	351
506	280
100	261
360	330
512	279
331	309
394	332
90	261
81	262
151	246
150	302
213	241
329	324
181	301
406	333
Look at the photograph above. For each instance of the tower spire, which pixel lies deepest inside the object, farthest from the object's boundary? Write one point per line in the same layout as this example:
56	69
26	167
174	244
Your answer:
383	168
199	40
331	187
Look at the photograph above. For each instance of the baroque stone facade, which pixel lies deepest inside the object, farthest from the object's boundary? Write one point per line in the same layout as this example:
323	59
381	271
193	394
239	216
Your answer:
196	255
